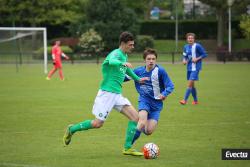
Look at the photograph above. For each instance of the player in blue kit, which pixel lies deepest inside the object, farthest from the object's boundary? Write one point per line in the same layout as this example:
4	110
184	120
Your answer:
151	94
193	53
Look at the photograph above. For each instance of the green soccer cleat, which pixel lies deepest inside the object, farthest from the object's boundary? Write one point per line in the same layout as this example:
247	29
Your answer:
132	151
67	136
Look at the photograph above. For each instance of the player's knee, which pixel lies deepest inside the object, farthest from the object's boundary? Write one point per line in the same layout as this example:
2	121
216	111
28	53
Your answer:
149	131
142	124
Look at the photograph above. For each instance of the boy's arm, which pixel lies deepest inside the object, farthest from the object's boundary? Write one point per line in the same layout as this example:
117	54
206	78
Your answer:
135	77
53	52
113	60
202	51
169	86
131	74
184	57
65	56
127	78
202	54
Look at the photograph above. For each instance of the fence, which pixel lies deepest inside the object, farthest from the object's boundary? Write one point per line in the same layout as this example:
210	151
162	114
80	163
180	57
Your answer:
170	57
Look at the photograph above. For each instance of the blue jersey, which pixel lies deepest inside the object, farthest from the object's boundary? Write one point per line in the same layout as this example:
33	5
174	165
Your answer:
158	84
194	51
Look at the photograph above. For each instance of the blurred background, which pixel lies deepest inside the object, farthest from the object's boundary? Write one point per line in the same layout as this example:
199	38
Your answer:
88	29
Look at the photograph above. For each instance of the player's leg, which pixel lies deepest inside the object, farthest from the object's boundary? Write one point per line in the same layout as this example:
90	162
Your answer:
195	77
189	88
59	64
101	109
85	125
143	117
71	129
61	74
130	112
194	94
151	126
144	108
51	72
152	121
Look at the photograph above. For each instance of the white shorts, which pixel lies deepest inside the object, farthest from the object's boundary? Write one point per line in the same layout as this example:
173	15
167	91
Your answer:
106	101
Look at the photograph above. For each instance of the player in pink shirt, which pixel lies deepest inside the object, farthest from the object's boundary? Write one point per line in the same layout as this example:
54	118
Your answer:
56	56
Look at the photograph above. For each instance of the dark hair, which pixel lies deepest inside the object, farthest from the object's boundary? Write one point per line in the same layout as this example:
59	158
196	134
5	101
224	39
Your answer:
125	37
149	51
190	34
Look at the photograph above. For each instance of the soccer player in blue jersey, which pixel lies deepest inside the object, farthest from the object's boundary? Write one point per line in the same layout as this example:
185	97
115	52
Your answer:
193	53
151	94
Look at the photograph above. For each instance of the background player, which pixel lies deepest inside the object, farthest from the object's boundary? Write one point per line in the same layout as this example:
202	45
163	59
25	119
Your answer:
57	62
152	93
193	53
109	96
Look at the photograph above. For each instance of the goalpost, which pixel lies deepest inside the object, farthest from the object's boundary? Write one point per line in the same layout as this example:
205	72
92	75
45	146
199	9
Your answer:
19	33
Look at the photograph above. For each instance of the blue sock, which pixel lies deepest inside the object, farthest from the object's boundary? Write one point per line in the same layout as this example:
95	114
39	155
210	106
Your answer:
188	91
194	94
136	136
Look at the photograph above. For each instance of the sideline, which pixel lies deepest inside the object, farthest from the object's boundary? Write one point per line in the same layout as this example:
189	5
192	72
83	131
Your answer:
3	164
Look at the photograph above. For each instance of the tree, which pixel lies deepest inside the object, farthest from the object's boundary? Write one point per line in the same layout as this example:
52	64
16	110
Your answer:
34	12
141	7
109	18
91	42
221	7
245	25
38	13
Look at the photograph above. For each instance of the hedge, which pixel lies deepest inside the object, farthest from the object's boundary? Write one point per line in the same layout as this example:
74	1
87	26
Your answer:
165	29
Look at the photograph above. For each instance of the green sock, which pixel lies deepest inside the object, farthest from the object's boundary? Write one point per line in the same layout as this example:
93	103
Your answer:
85	125
130	134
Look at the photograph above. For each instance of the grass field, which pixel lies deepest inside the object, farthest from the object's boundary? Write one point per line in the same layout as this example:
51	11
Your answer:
34	113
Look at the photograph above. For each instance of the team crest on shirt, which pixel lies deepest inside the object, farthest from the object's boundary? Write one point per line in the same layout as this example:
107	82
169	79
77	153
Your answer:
123	69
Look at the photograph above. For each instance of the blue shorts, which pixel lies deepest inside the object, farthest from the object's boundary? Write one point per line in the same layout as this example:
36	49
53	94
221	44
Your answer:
193	75
152	109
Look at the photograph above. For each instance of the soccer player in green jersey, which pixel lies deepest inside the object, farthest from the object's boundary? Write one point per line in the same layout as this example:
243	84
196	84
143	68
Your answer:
114	69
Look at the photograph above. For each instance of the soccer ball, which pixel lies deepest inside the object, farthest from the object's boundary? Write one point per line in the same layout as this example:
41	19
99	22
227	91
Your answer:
151	151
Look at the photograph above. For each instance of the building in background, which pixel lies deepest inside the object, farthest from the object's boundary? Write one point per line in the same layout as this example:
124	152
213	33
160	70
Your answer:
194	9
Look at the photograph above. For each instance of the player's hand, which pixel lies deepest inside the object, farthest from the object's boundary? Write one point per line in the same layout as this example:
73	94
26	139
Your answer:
162	97
143	79
194	60
127	64
184	62
67	57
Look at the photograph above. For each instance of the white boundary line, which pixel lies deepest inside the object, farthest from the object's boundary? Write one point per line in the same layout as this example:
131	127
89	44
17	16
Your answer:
18	165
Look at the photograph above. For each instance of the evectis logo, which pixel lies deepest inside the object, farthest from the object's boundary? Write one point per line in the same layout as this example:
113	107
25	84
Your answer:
235	154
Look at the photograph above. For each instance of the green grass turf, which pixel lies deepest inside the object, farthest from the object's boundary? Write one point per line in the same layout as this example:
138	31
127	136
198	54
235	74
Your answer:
34	113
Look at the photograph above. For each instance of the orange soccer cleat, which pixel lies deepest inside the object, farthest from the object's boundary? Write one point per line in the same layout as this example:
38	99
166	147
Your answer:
195	102
183	102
